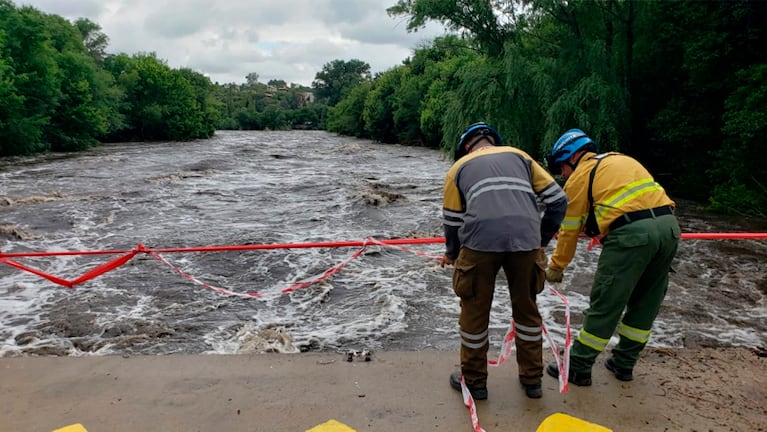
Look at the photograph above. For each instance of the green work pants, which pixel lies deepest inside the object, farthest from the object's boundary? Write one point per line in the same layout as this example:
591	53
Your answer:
474	282
632	274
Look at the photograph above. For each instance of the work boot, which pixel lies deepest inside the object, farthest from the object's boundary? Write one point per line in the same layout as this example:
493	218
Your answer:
620	373
581	379
533	391
477	393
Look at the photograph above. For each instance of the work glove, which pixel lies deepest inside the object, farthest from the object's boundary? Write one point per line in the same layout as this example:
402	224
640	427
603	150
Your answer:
554	275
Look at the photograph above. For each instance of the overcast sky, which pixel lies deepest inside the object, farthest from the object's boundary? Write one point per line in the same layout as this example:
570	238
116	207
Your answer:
227	39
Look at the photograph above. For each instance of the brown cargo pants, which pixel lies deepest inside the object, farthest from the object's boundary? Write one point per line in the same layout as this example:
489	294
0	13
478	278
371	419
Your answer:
474	278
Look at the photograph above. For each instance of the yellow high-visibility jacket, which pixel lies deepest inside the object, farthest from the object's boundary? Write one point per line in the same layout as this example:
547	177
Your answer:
621	185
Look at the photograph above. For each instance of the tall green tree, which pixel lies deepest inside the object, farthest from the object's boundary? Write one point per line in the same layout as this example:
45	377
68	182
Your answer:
708	49
86	104
32	80
205	101
54	94
378	112
740	172
160	103
94	39
337	77
346	117
439	65
489	22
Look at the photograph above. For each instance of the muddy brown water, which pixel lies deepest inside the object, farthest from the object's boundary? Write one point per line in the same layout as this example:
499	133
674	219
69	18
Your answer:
242	188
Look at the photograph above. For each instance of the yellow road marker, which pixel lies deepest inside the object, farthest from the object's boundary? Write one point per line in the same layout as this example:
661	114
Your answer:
331	426
72	428
559	422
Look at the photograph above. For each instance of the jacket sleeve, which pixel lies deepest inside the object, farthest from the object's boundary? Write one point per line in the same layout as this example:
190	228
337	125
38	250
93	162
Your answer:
576	189
452	215
553	199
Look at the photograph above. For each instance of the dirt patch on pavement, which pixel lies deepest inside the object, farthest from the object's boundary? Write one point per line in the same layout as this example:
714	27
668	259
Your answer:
726	388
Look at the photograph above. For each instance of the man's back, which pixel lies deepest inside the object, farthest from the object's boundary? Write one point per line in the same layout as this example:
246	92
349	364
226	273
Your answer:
492	190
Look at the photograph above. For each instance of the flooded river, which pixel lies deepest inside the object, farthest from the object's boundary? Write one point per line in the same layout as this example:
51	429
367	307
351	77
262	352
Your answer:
253	188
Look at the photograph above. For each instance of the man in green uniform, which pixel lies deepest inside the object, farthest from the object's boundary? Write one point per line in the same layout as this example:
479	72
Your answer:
492	220
614	195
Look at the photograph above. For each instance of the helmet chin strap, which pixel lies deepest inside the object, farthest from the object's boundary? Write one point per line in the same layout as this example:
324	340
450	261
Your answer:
580	155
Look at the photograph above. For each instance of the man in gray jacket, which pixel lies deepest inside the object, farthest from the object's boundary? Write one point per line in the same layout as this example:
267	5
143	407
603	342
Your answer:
492	220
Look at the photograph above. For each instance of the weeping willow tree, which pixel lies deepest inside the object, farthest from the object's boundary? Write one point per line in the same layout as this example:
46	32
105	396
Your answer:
561	65
481	96
571	70
678	85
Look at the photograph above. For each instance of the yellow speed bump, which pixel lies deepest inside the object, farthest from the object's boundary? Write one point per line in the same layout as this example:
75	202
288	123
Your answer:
331	426
72	428
564	423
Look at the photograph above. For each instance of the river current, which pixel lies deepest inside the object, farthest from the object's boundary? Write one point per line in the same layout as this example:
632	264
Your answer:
250	188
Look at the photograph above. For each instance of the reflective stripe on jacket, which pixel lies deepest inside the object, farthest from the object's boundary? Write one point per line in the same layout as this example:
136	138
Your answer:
621	185
490	202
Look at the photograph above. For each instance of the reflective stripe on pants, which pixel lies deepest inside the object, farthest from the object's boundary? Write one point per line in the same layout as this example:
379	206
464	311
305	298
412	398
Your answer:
632	274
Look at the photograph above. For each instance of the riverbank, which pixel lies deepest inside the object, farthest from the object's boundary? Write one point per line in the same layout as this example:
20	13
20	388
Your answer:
673	390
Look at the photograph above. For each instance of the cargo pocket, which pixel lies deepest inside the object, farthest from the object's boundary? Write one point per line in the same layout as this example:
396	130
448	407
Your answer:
632	240
602	283
676	232
463	279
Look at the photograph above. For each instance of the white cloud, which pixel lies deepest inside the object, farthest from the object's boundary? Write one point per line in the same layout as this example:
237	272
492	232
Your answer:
225	40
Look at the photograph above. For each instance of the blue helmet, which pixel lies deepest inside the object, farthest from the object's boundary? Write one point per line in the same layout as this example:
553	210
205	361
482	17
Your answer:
568	144
472	131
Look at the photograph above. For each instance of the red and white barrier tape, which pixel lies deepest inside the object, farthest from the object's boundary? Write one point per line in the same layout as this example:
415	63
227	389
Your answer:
564	363
471	405
402	248
298	285
201	283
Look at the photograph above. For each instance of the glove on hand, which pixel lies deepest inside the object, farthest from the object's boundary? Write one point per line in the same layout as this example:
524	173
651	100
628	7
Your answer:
554	275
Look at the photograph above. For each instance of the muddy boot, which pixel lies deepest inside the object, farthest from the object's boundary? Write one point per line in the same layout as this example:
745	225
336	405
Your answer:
620	373
477	393
533	391
581	379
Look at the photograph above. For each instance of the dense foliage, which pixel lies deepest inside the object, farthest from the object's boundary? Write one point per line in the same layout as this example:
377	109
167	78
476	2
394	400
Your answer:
678	84
272	106
59	91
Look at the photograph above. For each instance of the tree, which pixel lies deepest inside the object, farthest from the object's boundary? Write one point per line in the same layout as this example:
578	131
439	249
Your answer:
378	112
477	19
34	78
161	103
87	107
251	79
346	117
277	83
337	77
741	172
94	39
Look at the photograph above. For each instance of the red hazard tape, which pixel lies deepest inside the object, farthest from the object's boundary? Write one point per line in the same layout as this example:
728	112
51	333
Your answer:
155	253
127	255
